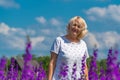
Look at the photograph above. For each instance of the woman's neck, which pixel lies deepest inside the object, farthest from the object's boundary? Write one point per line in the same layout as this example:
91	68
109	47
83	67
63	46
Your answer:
71	38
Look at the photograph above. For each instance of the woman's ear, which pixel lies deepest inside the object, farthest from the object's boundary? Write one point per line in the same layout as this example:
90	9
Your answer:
68	27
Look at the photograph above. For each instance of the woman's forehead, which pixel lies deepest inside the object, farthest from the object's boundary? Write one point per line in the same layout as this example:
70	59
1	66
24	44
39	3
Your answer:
76	22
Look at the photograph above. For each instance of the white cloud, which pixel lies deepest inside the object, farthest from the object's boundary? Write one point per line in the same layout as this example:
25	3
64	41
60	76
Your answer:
103	40
30	32
110	39
36	40
17	31
4	28
12	36
97	11
50	22
41	20
92	41
9	3
111	12
55	22
7	30
15	37
46	31
16	42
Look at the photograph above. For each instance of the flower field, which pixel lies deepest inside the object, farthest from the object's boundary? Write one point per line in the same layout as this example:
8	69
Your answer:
107	69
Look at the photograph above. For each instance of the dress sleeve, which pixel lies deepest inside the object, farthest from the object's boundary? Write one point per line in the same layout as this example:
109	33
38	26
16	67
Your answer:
55	46
86	50
86	53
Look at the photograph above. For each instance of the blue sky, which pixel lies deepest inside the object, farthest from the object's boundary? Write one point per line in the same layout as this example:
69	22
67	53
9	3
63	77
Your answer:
44	20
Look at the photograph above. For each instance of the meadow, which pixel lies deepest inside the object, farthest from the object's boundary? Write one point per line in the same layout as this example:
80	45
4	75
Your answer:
105	69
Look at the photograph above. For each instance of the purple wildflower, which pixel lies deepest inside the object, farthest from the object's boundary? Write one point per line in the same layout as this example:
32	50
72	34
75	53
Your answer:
27	72
102	74
112	71
12	73
93	67
3	61
41	74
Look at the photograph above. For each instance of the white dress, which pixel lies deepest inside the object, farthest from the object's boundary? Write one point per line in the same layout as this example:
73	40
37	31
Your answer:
69	61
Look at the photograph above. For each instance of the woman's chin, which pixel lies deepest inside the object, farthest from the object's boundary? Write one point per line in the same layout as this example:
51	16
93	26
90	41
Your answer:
74	35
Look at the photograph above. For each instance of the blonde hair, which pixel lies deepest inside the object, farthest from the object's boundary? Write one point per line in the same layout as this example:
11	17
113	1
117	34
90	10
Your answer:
81	22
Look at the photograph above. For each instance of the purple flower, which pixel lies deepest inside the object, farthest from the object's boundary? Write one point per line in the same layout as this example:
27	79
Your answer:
12	73
93	67
41	74
3	61
112	71
28	72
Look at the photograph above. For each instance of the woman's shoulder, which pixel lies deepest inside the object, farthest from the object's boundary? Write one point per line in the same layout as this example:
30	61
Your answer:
59	38
83	42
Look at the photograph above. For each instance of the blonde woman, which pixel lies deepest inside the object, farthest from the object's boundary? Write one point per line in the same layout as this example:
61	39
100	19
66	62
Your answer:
67	53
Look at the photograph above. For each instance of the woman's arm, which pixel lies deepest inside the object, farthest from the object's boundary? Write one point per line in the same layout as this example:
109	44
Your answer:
52	64
86	72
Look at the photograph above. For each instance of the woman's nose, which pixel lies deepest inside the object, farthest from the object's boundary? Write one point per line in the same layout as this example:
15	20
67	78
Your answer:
76	27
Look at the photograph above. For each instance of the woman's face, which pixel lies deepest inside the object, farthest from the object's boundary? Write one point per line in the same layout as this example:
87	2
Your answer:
74	29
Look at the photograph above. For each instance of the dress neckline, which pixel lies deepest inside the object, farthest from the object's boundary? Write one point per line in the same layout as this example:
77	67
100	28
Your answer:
71	41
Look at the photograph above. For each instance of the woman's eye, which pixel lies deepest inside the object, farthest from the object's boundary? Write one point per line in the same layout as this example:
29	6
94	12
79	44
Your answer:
74	24
78	26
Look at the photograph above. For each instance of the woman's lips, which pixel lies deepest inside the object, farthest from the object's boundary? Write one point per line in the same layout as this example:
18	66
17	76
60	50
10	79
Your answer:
74	30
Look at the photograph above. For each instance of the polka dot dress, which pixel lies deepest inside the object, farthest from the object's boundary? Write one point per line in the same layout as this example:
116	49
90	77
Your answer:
69	59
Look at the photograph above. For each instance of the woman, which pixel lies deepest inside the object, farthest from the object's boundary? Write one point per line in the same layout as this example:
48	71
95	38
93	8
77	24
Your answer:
68	52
